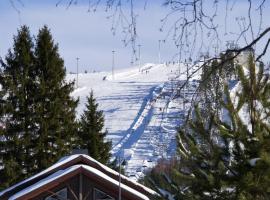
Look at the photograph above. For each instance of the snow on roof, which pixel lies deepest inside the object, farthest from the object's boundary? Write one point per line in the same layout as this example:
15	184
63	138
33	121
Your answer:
122	176
61	173
125	187
48	179
59	163
67	159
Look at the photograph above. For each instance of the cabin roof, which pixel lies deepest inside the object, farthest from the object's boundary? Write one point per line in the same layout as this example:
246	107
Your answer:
37	188
64	165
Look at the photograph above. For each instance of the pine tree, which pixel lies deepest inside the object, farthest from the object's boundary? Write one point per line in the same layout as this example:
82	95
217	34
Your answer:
17	108
227	157
54	107
91	134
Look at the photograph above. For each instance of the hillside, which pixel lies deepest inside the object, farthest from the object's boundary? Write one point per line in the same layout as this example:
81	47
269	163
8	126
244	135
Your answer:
142	110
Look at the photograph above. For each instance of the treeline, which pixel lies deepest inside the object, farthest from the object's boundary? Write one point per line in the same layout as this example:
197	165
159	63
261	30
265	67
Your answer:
38	122
224	149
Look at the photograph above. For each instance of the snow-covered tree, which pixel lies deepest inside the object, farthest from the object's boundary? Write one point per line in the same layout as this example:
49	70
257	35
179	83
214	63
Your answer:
214	75
227	157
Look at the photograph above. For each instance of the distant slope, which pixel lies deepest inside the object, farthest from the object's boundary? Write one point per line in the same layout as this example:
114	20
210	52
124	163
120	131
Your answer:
141	111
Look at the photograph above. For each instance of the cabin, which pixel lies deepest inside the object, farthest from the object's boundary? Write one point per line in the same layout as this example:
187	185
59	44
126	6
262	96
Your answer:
77	177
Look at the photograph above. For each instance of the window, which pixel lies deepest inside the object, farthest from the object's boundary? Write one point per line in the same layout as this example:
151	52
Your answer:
59	195
99	195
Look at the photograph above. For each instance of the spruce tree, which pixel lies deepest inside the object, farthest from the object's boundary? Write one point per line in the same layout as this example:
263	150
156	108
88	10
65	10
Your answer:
227	157
54	107
17	108
92	134
37	111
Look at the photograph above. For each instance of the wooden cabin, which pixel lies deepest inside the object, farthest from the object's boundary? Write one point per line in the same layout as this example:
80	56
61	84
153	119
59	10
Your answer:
77	177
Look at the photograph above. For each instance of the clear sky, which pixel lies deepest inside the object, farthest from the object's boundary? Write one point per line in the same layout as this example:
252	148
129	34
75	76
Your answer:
88	35
83	34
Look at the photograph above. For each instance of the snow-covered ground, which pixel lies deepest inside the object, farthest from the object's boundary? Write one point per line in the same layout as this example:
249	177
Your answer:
141	110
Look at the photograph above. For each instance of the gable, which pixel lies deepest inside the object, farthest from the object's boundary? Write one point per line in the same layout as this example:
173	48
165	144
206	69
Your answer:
68	162
70	178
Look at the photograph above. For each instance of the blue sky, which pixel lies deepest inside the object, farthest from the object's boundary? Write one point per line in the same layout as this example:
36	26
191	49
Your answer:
84	35
88	36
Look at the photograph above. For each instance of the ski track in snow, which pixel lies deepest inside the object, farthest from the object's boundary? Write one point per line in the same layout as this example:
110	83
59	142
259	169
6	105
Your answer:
142	110
138	125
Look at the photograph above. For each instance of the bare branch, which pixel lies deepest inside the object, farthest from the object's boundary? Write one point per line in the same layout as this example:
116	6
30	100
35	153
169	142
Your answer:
264	51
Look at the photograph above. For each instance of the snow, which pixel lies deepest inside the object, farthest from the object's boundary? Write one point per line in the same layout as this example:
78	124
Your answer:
45	181
142	110
166	194
62	161
253	161
61	173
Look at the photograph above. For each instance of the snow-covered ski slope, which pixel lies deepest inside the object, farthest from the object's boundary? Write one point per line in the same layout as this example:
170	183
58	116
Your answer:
141	111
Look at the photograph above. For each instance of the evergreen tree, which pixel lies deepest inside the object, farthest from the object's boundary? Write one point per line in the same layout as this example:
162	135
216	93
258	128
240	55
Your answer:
54	107
17	108
37	112
91	134
3	173
227	157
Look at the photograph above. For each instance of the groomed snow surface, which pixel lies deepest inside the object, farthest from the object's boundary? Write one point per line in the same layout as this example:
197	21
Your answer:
142	110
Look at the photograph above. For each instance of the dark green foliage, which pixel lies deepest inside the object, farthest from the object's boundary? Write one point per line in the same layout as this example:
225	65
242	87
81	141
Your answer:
227	158
54	107
91	133
160	178
36	109
17	108
115	165
205	160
